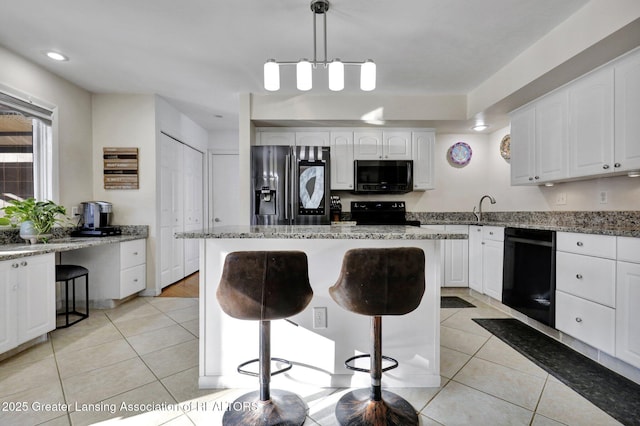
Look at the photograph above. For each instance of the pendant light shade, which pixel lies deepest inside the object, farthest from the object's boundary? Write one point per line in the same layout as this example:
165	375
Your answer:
304	75
336	75
271	75
368	76
305	67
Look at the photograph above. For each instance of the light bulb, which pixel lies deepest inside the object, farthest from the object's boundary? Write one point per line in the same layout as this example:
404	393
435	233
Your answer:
271	75
336	75
368	76
304	75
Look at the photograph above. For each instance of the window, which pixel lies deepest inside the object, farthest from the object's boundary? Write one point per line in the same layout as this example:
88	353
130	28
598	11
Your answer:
25	150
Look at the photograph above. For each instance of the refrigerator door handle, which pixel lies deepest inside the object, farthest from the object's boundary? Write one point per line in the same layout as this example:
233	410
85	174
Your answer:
287	186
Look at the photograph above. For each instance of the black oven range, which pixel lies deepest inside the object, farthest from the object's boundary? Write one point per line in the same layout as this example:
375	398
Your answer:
380	213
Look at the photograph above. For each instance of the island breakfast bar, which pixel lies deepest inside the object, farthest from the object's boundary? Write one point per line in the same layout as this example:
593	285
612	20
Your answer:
319	339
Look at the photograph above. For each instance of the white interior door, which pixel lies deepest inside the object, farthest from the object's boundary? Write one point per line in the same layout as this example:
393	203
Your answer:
225	172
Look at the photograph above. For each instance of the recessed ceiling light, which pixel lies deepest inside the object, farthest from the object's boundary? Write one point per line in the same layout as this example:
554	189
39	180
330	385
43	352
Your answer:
56	56
480	127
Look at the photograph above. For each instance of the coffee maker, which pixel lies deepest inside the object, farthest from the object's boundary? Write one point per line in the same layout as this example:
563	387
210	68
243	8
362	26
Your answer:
95	219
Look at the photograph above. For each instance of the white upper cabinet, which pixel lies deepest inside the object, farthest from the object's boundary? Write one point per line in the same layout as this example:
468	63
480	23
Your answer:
396	145
276	138
367	145
627	113
423	144
538	141
341	160
591	124
382	145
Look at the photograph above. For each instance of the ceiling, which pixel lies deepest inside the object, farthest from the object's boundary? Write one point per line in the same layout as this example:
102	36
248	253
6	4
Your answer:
200	54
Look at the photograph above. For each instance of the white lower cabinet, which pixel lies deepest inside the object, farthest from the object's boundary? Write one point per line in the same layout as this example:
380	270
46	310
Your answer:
28	290
456	258
116	271
492	260
588	321
628	300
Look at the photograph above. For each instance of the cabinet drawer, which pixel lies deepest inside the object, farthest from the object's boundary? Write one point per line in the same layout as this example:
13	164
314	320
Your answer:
132	253
495	233
629	249
591	278
132	280
589	244
590	322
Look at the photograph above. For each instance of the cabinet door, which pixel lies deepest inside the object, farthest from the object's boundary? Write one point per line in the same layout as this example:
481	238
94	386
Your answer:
627	313
591	124
36	297
312	139
492	261
276	138
456	259
423	145
551	148
8	298
341	160
627	111
590	322
367	145
396	145
523	135
475	258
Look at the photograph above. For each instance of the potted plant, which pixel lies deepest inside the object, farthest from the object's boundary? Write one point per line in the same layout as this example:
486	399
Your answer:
36	218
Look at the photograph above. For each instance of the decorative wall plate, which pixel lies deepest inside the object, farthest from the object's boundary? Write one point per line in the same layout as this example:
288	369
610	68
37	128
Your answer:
505	147
460	153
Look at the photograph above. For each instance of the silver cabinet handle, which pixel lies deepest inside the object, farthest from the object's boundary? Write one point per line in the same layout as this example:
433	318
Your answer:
14	265
606	166
530	178
479	230
579	276
217	219
24	263
490	233
135	253
617	165
578	319
135	280
537	177
579	243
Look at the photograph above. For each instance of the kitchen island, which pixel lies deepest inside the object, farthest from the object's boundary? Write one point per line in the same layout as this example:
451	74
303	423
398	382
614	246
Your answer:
319	339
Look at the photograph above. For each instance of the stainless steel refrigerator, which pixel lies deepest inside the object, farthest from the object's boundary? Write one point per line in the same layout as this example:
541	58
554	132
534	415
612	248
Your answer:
290	185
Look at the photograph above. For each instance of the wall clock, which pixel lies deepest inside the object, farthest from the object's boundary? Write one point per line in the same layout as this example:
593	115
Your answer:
505	147
460	153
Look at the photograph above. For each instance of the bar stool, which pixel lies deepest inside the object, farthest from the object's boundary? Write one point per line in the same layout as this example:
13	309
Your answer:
376	282
264	286
68	274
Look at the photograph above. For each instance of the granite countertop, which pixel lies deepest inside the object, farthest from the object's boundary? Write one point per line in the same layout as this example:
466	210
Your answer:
325	232
615	223
16	251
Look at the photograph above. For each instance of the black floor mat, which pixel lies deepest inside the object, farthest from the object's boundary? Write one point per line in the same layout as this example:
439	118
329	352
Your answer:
612	393
454	302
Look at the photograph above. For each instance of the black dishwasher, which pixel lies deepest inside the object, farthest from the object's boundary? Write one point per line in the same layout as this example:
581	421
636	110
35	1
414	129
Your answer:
529	274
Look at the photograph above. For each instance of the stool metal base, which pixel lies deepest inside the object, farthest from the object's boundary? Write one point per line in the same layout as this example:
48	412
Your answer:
283	409
357	409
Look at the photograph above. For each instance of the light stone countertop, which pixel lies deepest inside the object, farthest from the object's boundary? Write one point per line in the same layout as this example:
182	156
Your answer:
16	251
325	232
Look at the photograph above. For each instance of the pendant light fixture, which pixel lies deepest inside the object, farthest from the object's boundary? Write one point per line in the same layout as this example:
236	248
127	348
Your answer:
305	67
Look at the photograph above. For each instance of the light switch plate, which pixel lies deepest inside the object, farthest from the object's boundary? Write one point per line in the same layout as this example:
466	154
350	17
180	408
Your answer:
561	198
320	317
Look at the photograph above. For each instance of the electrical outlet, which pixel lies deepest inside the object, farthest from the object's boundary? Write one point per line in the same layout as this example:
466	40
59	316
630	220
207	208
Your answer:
561	198
74	211
603	197
320	317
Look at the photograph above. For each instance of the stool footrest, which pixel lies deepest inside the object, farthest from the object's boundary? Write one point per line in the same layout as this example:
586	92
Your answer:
251	373
366	370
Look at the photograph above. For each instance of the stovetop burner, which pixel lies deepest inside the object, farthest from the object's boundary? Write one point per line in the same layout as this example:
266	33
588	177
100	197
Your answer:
380	213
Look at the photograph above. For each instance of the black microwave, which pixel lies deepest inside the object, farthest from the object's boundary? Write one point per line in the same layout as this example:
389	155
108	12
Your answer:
383	176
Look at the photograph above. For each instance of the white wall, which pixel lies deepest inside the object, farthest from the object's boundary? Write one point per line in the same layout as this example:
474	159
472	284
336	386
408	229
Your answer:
224	141
72	128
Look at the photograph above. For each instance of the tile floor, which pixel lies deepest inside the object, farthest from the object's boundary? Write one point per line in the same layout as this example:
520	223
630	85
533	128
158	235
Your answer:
145	352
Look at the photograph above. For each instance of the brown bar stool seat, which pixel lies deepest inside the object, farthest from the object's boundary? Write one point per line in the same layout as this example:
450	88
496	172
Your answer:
264	286
376	282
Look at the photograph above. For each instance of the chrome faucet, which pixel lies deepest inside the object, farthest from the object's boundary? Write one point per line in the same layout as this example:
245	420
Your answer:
478	215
